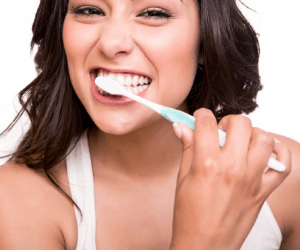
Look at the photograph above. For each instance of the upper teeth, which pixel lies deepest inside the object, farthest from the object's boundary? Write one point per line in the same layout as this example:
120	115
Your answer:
125	79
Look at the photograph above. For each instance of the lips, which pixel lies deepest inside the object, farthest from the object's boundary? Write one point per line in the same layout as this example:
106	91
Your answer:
135	83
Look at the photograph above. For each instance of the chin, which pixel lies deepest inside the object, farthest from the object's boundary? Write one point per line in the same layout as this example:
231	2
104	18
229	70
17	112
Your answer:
115	128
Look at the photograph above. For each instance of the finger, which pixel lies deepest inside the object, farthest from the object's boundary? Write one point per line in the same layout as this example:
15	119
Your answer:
238	130
206	139
260	151
185	134
272	178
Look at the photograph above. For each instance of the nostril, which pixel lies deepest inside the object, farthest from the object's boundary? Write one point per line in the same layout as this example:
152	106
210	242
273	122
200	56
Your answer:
115	41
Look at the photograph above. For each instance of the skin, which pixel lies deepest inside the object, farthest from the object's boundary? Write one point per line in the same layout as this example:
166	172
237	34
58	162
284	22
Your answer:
121	40
133	185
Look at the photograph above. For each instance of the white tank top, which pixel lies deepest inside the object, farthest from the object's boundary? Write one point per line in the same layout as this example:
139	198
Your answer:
265	234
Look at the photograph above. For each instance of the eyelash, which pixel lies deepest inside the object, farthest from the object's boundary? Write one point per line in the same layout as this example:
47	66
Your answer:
87	11
155	13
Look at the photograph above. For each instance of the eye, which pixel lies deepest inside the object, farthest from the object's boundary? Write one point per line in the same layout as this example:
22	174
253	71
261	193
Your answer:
156	13
87	11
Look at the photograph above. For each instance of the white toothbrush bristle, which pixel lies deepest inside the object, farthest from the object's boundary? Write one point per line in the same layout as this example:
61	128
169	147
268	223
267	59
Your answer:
109	84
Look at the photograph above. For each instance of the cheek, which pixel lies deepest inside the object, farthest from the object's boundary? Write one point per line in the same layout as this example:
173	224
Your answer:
173	52
172	49
78	40
77	43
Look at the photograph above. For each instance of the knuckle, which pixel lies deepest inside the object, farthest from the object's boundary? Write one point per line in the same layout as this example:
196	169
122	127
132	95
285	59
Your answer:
263	138
210	163
235	170
208	122
240	120
208	167
266	140
256	132
236	173
203	112
243	121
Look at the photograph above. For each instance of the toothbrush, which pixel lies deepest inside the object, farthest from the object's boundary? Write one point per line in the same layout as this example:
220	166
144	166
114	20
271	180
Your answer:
110	85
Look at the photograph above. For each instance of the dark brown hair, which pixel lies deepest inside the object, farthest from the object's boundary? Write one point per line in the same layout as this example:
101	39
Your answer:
227	82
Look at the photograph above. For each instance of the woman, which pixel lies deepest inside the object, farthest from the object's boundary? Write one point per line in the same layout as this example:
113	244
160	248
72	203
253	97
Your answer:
135	184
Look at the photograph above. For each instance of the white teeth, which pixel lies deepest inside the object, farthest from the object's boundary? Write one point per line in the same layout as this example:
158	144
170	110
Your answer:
141	88
135	80
141	80
128	80
111	76
120	79
135	90
129	88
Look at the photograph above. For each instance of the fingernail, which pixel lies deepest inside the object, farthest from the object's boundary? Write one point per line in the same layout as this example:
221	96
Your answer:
177	130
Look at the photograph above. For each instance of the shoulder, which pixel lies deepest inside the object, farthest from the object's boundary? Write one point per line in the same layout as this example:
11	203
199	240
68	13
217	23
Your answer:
285	200
35	213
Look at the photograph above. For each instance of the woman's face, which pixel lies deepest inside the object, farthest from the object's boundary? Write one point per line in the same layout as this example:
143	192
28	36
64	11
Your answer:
138	41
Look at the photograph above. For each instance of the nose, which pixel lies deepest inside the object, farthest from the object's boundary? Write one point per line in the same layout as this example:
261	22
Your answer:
115	39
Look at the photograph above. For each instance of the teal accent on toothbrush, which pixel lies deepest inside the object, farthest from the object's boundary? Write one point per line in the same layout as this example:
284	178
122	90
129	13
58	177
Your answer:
110	85
175	116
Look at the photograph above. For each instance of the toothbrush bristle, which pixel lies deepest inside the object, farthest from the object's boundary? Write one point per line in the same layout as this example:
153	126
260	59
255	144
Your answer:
109	84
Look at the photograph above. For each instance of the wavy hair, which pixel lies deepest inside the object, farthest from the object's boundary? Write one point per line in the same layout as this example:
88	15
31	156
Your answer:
226	83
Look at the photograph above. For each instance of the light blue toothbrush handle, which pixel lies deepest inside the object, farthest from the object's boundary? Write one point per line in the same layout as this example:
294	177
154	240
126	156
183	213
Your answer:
174	116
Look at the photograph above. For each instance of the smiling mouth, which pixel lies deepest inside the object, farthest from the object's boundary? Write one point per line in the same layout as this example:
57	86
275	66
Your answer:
131	82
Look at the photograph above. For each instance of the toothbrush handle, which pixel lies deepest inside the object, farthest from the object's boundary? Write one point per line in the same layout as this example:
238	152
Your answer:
174	116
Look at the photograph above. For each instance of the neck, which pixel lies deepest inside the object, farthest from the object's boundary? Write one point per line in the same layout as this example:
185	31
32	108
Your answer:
150	152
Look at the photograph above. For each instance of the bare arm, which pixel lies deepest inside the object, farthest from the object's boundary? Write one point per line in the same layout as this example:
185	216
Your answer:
285	201
28	220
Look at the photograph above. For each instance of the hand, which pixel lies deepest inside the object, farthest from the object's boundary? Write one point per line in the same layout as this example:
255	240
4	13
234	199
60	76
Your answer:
220	191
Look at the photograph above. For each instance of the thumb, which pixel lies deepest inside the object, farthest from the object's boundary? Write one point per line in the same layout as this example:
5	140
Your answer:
185	134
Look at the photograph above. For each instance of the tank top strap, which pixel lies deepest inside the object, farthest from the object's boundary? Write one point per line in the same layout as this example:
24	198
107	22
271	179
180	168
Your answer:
266	209
81	182
265	234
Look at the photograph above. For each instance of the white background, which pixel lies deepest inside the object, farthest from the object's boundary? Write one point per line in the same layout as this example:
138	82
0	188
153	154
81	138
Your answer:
277	22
